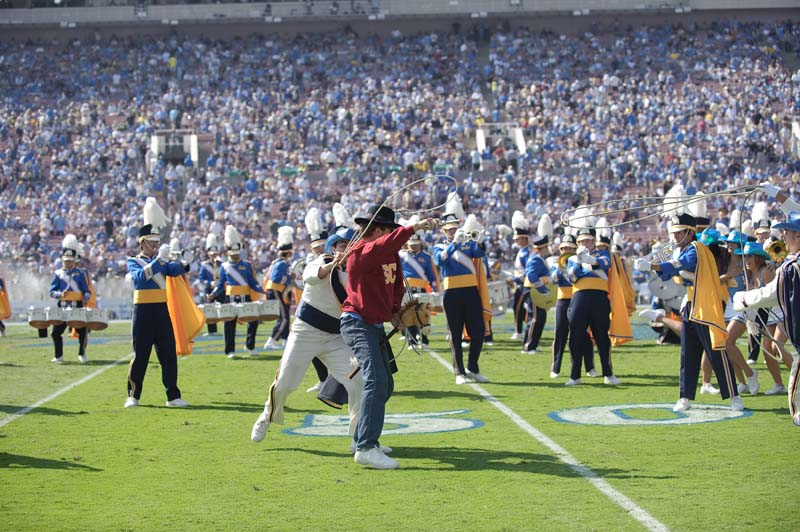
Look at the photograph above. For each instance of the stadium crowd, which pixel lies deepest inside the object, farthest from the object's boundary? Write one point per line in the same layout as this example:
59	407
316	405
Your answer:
303	122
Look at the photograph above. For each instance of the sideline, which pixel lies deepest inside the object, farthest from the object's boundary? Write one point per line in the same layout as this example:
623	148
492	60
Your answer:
635	511
65	389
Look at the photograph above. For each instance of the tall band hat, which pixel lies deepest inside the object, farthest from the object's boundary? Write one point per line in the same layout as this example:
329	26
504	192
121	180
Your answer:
520	224
415	239
154	220
70	248
473	227
699	210
316	232
285	235
544	231
582	223
682	222
453	211
211	243
344	230
603	232
760	217
233	242
378	215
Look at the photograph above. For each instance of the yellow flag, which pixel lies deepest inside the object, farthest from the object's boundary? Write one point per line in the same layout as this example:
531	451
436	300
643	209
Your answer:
187	319
5	306
707	301
620	330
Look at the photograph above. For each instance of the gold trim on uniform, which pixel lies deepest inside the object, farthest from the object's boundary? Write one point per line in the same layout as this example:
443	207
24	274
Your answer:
564	292
590	283
459	281
237	290
150	295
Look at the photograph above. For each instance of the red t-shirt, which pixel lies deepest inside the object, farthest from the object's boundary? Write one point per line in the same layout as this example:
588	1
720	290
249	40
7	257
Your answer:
375	277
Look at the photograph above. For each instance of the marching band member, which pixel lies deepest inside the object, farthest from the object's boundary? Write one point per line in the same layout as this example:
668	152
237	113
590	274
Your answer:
474	231
5	307
237	280
209	274
315	333
521	292
317	236
70	289
590	307
374	295
152	324
461	300
537	277
701	313
783	290
420	274
560	279
277	286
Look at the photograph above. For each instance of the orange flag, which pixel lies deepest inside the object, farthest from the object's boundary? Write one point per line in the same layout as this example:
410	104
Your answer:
620	330
187	319
5	306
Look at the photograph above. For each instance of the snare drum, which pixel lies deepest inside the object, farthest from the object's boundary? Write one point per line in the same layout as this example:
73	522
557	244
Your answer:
499	297
225	311
248	311
75	317
55	315
37	318
269	310
434	299
210	313
97	319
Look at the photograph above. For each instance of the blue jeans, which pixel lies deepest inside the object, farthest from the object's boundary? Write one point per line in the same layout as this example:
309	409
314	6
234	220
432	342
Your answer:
369	345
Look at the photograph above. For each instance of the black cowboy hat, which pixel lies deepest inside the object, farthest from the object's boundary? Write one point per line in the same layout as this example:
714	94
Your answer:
378	215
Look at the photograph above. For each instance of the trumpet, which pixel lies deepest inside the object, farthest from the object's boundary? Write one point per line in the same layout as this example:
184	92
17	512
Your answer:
475	235
776	250
661	252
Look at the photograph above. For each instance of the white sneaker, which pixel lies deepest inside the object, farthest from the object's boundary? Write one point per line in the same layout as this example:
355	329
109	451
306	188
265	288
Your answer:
611	379
271	344
776	390
653	314
752	383
531	352
708	389
490	344
252	352
464	344
461	379
259	428
751	362
682	404
742	388
375	459
553	375
130	402
796	419
231	355
479	377
83	359
736	404
592	373
516	336
383	448
315	388
572	382
179	403
58	360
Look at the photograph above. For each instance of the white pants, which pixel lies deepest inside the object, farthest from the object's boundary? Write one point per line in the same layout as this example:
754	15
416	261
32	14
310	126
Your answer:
304	343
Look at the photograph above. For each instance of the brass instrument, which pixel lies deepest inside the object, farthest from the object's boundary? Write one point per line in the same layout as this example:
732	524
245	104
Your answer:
563	258
776	250
661	252
545	301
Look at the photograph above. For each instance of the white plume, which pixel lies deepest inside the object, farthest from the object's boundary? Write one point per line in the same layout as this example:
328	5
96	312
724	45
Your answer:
71	242
454	206
504	231
675	201
582	217
698	206
602	228
153	214
519	221
232	238
314	223
618	239
747	227
760	212
722	228
342	218
285	235
472	224
545	226
736	220
211	242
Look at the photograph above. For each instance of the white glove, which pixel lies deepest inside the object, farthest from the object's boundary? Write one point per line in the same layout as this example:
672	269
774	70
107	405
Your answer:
642	264
738	302
587	258
459	236
586	266
56	294
187	256
164	252
769	189
581	250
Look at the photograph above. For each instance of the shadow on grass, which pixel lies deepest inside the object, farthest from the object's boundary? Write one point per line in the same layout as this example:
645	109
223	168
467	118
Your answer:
462	459
16	461
13	409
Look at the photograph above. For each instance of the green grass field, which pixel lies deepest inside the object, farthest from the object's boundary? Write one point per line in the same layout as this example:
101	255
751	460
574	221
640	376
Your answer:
79	461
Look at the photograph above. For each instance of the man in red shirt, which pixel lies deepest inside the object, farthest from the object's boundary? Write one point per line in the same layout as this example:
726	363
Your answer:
374	294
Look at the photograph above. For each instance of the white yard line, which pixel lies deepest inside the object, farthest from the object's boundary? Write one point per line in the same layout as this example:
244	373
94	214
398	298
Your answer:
637	512
65	389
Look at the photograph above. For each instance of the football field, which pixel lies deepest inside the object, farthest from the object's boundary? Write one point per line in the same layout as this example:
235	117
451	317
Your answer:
523	452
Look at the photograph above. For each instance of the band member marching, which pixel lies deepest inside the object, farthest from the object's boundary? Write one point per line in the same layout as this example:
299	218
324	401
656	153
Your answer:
237	280
521	299
152	323
70	289
701	312
277	285
537	277
560	279
209	274
420	274
461	300
317	236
